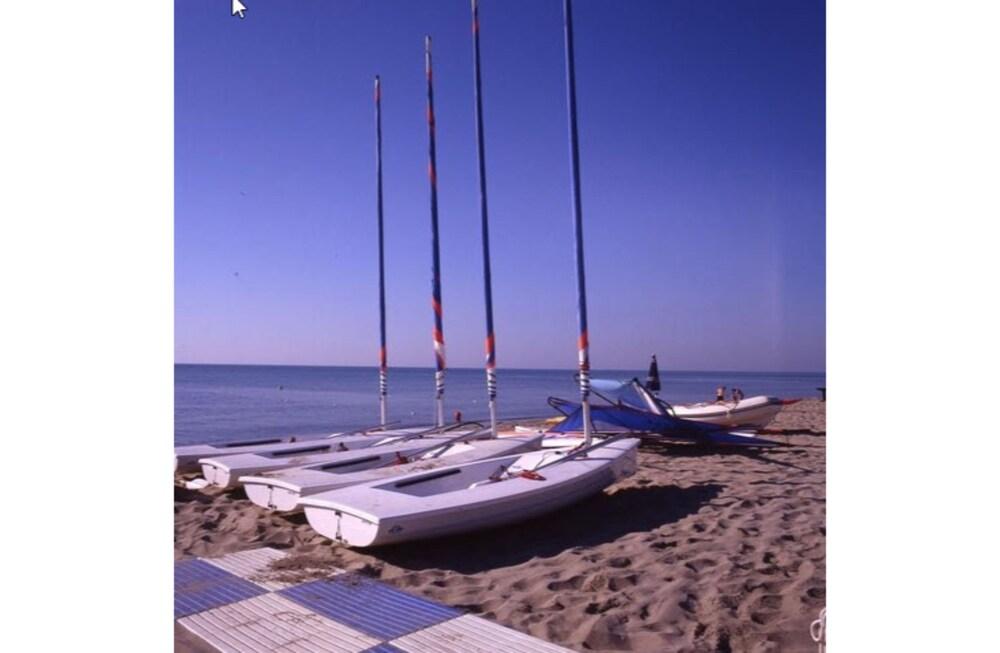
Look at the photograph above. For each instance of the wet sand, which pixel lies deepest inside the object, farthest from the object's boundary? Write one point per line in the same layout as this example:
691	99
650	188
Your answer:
700	550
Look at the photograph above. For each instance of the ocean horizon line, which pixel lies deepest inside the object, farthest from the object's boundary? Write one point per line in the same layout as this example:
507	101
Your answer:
571	370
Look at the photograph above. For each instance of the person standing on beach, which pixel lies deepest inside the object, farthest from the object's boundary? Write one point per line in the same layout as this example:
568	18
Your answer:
653	376
720	394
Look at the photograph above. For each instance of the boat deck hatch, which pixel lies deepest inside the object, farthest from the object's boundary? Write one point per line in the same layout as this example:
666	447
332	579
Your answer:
348	463
246	443
428	477
294	452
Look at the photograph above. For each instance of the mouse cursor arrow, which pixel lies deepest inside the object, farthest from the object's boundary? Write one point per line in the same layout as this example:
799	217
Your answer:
239	9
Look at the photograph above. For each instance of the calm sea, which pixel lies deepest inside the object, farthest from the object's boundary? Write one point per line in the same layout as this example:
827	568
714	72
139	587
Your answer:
220	402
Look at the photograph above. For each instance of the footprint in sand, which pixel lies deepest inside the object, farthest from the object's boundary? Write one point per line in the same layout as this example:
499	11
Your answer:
595	583
769	602
722	644
796	517
700	564
689	604
620	583
573	583
609	632
775	586
554	604
602	607
763	618
729	602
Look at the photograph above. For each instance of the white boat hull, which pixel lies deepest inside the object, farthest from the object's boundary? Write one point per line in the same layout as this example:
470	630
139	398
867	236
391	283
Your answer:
186	458
282	490
460	498
752	412
362	453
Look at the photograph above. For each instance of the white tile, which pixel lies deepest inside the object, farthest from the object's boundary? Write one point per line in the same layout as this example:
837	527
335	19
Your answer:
271	622
471	634
254	566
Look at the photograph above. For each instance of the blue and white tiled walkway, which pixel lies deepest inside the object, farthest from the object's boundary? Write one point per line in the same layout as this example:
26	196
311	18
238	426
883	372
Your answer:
235	604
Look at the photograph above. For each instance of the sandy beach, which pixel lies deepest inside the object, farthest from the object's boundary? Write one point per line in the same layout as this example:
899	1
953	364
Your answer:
701	550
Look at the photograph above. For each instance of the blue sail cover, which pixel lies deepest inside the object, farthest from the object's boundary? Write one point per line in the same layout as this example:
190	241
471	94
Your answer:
624	417
621	391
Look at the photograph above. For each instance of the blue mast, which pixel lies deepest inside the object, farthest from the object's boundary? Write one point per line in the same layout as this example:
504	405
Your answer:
491	374
438	333
583	343
383	363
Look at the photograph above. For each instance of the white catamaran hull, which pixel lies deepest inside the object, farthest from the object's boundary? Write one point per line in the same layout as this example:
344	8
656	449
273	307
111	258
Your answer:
752	412
186	458
462	498
224	472
281	490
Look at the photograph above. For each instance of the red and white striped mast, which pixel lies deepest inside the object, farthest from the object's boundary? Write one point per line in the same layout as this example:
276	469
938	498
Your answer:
491	362
438	333
383	362
583	341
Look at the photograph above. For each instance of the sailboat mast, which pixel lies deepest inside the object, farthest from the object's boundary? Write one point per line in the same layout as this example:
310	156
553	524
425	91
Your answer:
438	333
383	362
583	343
491	373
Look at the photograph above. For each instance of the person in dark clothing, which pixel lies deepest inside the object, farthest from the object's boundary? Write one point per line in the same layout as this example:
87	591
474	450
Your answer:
653	377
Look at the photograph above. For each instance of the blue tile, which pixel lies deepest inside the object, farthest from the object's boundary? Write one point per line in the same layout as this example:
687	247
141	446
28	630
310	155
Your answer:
383	648
369	606
199	586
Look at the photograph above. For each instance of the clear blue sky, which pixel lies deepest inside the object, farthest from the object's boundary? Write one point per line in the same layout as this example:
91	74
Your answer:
702	135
